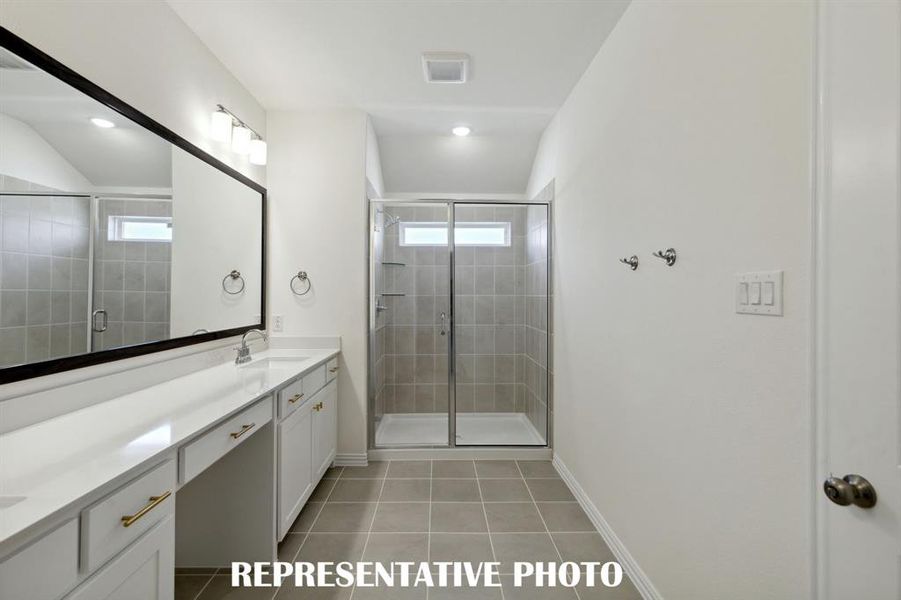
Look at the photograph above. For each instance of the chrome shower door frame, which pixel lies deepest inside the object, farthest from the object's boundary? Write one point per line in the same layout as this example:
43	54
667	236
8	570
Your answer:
372	300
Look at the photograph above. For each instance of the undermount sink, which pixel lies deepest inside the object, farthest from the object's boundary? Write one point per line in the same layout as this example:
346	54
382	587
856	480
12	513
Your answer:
7	501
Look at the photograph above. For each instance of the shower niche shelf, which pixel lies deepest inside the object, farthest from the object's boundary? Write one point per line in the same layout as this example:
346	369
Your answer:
394	264
391	294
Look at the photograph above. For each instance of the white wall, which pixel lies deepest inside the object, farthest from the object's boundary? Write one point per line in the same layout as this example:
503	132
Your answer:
205	247
446	163
317	223
142	52
26	155
688	425
373	160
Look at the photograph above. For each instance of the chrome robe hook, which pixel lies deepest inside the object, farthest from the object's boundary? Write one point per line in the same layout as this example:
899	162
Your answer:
632	261
669	255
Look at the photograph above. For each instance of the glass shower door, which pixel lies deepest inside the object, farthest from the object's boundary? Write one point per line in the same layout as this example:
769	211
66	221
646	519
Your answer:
501	324
409	324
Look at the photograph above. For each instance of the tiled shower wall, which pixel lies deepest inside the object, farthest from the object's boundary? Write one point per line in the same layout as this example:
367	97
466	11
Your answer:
501	310
43	274
416	353
381	318
132	279
537	315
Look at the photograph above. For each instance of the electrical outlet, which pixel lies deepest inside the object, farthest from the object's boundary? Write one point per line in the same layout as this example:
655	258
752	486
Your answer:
278	323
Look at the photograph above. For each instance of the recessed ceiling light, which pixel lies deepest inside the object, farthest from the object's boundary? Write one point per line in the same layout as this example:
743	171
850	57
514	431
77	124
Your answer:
105	124
461	131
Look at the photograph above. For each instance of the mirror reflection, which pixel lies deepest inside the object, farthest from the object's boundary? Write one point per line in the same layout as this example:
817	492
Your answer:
111	236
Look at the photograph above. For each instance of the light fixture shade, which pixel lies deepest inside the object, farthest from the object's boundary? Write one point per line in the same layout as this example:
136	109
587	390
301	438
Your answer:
220	126
241	140
257	152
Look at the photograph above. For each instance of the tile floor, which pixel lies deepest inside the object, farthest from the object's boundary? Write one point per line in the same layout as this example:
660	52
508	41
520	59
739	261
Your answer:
500	510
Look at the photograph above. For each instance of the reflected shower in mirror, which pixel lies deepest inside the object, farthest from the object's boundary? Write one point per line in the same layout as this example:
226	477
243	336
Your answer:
111	235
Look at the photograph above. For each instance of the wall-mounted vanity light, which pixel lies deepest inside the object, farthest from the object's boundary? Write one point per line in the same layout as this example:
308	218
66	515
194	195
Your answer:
225	126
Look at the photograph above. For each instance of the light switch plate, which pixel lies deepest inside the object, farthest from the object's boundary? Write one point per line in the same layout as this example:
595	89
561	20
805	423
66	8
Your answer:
759	293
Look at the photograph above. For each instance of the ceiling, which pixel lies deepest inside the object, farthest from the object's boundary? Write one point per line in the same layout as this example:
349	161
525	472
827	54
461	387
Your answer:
526	55
124	156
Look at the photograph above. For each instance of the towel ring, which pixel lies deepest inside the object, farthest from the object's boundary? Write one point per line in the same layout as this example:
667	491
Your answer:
235	274
301	277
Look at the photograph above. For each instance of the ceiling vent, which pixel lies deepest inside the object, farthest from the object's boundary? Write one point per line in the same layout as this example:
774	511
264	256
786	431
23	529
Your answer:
445	67
11	62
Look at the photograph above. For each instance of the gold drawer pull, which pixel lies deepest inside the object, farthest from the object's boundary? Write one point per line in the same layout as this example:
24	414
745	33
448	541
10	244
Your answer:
333	369
128	520
295	398
244	430
318	407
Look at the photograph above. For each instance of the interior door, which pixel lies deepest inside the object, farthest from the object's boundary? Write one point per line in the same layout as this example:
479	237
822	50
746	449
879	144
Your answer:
858	303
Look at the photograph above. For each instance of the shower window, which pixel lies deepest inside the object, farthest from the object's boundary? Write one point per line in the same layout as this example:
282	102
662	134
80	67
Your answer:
468	234
139	229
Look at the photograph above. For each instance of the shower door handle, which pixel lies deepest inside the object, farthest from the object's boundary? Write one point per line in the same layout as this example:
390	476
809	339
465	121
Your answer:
104	322
443	323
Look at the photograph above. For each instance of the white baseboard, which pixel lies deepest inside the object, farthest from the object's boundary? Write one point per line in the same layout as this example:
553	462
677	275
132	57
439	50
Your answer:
625	559
465	453
351	459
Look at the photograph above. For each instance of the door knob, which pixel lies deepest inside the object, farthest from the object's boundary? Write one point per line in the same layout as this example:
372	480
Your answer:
850	489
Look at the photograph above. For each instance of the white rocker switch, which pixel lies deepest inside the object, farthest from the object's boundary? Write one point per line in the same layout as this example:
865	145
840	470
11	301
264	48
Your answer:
759	293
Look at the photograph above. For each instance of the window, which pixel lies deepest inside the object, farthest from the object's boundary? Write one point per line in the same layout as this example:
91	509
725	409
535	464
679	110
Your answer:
465	234
139	229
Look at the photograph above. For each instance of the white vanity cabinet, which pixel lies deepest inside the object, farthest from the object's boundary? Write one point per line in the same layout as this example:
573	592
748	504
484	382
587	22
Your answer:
307	440
143	571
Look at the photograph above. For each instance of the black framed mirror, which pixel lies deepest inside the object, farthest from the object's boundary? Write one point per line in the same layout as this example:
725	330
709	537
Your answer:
118	237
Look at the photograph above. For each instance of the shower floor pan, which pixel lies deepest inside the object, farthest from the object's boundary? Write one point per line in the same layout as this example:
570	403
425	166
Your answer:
473	429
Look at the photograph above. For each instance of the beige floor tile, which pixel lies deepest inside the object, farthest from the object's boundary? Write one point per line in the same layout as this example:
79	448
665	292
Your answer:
187	587
333	473
579	547
196	570
458	517
504	490
442	469
497	468
564	516
537	468
624	591
455	490
356	490
288	547
395	547
390	593
513	517
409	468
522	547
307	516
405	490
407	517
374	470
529	592
289	592
345	517
472	547
220	589
452	593
549	489
334	547
322	490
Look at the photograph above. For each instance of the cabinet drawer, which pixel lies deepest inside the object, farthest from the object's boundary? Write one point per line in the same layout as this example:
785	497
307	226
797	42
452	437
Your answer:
314	381
46	569
291	397
332	369
211	446
144	502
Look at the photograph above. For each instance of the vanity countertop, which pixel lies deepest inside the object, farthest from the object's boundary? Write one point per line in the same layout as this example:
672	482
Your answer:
47	467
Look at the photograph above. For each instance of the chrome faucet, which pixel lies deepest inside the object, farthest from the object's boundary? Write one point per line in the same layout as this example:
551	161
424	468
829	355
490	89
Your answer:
244	350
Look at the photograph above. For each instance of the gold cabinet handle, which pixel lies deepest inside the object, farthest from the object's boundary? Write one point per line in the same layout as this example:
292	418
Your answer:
295	398
129	520
318	407
333	369
244	430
